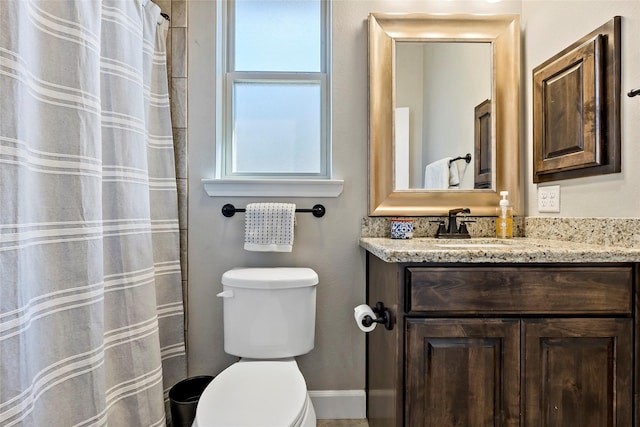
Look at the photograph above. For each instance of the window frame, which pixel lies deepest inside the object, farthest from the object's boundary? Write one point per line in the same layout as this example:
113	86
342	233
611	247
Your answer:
226	76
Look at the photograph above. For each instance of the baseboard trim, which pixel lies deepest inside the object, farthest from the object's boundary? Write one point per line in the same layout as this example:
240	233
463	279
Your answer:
339	404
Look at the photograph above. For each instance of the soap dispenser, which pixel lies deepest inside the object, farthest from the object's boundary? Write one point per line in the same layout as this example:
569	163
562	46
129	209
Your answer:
504	221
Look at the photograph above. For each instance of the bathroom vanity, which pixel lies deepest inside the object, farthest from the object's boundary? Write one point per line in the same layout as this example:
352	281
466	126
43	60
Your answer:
489	333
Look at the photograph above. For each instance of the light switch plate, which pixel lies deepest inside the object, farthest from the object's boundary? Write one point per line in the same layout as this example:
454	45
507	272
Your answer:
549	198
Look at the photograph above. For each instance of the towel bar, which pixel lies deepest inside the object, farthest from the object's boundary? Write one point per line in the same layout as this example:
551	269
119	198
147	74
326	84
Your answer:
466	158
229	210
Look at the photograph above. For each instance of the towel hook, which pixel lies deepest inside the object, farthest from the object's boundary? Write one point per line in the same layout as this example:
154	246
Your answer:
633	92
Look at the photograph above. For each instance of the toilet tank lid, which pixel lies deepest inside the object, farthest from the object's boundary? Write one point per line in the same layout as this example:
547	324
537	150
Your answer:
270	278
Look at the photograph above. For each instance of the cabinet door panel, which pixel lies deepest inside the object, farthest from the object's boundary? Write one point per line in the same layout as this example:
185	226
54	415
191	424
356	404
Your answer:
462	372
578	372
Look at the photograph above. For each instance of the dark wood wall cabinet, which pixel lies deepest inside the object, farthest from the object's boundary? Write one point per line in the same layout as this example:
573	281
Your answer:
576	108
479	345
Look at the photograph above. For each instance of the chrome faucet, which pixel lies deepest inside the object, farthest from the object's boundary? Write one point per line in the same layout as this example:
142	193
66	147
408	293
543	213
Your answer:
452	230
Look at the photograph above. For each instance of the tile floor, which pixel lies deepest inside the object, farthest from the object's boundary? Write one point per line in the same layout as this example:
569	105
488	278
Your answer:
342	423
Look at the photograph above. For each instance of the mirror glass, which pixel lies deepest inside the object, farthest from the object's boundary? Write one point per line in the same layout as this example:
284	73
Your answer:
443	87
439	85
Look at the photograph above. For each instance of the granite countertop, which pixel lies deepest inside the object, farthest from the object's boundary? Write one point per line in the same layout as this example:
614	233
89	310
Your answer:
490	250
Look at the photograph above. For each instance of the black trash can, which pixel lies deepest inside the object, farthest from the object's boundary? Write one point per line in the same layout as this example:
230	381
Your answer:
184	397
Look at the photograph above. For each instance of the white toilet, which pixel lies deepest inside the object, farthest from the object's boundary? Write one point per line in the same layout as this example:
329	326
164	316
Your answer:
269	317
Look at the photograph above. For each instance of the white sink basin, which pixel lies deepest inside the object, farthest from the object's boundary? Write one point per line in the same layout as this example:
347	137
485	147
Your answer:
472	245
476	243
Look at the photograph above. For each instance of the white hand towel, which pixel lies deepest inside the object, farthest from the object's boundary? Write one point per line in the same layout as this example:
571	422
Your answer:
436	174
454	175
269	227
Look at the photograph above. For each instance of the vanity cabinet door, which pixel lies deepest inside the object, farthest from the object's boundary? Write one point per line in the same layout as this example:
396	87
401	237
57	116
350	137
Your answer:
578	372
462	372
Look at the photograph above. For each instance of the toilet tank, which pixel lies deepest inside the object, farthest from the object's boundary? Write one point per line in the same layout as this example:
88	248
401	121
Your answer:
269	313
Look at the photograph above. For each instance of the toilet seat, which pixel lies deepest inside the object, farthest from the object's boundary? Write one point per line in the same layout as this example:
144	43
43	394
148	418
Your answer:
251	393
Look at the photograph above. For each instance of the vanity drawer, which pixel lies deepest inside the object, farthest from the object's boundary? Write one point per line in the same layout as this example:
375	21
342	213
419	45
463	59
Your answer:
520	290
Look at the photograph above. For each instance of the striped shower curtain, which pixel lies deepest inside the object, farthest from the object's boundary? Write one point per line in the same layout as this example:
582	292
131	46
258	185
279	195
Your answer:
91	313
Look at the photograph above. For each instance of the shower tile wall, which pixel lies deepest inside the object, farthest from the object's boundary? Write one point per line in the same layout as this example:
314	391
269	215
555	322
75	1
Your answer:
177	69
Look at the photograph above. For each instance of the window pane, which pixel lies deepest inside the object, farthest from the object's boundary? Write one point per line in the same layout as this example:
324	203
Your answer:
278	35
277	128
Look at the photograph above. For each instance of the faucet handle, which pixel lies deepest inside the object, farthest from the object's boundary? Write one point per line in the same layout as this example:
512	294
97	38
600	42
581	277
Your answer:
463	227
442	228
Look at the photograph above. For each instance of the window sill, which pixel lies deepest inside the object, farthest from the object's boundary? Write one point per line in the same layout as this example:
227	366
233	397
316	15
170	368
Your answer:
273	187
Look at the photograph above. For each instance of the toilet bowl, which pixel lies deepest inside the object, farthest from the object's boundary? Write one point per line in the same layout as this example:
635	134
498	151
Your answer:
257	393
269	317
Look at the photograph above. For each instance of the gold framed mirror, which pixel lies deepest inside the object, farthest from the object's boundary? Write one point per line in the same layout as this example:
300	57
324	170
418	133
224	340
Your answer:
502	32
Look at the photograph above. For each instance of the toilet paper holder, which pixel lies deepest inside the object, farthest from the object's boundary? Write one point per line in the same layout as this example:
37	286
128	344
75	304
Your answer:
383	316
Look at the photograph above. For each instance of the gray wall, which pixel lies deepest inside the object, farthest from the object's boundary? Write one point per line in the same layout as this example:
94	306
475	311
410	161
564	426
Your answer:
549	27
330	245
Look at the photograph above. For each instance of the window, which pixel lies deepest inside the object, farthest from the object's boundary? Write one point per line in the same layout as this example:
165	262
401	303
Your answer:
274	84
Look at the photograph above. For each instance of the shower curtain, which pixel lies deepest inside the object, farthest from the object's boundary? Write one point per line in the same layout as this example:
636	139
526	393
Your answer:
91	313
